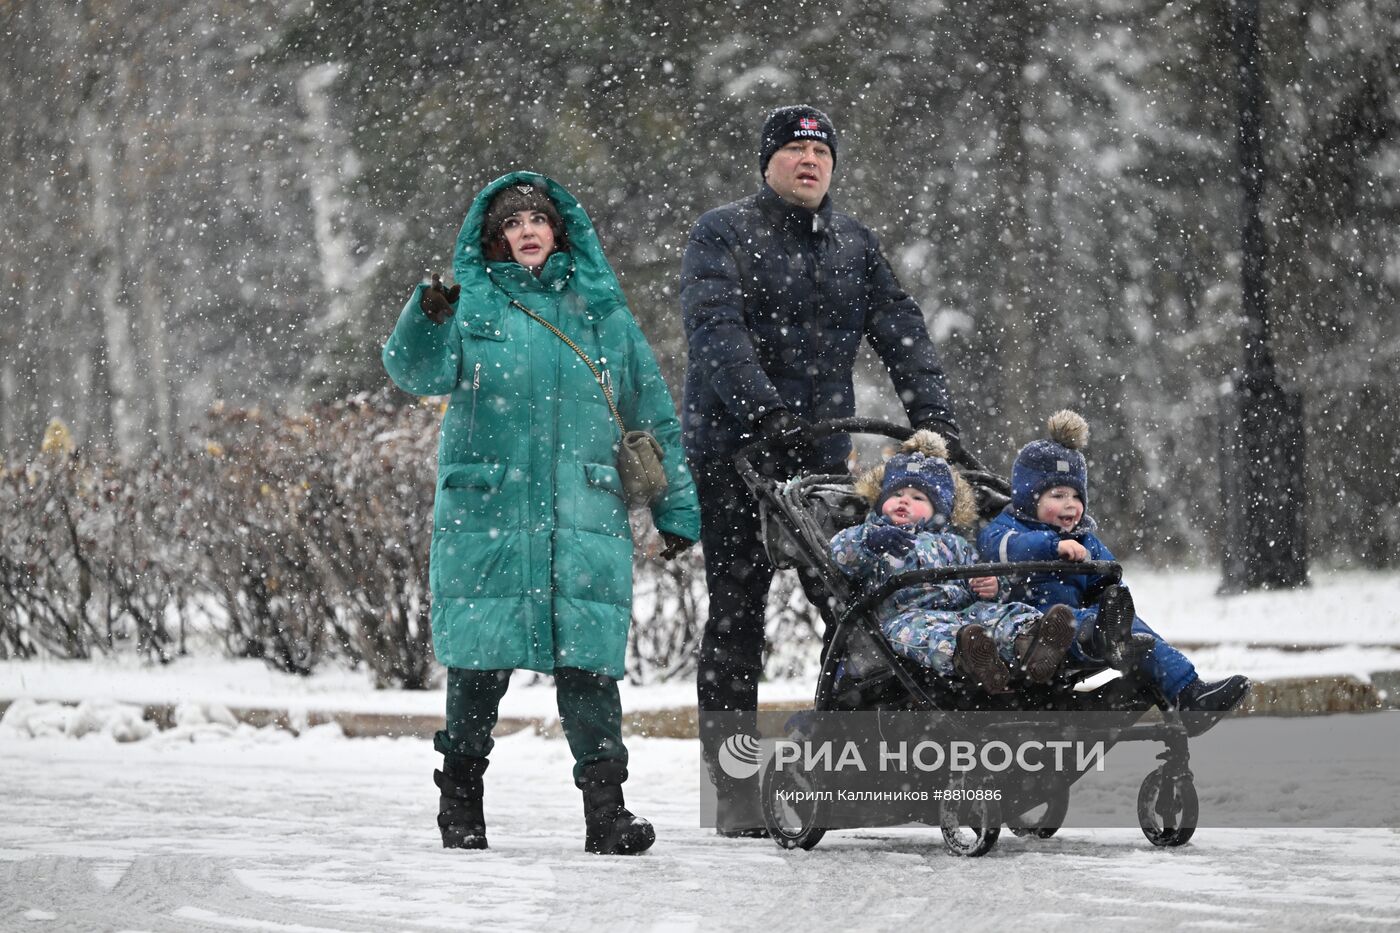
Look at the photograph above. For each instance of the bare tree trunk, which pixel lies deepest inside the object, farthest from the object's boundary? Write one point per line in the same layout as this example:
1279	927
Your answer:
160	413
9	392
1018	351
329	165
107	235
1266	535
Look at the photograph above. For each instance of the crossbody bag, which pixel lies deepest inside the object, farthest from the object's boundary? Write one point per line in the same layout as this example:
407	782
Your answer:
639	455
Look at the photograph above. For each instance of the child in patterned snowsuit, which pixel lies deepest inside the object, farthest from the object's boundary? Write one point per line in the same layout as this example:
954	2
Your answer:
1047	520
954	627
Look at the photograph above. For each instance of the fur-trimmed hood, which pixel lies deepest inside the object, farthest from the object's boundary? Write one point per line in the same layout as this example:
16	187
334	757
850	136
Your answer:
928	444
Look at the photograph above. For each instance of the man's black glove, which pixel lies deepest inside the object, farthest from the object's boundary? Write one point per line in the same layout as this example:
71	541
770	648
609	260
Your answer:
779	422
782	459
675	545
437	301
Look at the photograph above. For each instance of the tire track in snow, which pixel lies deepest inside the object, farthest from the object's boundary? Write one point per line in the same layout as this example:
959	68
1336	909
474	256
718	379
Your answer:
159	894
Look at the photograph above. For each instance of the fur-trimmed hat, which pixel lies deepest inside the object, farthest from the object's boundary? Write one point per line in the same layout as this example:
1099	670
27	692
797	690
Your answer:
922	464
512	200
797	122
1055	461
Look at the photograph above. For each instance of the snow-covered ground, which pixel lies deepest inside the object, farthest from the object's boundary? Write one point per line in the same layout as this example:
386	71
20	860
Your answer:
219	826
255	830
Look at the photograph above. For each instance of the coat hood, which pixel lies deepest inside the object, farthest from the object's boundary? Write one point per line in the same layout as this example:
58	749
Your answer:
484	301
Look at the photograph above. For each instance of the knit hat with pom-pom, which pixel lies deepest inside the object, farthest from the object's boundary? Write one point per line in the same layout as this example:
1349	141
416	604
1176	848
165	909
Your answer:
921	464
1054	461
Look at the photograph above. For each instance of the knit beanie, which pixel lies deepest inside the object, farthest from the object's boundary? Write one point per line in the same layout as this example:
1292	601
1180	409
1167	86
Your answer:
1054	461
797	122
511	200
922	464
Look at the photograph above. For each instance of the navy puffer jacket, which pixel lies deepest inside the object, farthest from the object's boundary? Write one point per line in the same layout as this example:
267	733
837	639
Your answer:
1012	536
776	299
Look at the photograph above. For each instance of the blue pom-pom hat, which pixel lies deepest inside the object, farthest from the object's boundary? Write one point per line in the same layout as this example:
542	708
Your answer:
922	464
1050	462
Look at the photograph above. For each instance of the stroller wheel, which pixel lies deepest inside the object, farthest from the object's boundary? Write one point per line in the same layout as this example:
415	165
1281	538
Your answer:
971	823
792	808
1168	808
1044	820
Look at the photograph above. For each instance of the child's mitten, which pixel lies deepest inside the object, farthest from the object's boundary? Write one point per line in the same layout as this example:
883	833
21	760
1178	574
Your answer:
889	540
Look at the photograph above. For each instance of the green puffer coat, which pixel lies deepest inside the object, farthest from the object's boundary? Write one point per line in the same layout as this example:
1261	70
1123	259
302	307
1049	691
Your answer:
532	551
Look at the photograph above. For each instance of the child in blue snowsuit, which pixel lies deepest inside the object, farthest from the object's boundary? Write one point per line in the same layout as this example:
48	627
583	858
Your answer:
954	627
1046	520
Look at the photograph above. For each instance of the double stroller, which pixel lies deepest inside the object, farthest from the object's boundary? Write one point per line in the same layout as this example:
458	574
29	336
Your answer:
861	673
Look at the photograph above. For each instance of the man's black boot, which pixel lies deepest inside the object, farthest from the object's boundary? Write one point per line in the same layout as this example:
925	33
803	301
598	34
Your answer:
740	813
612	829
460	817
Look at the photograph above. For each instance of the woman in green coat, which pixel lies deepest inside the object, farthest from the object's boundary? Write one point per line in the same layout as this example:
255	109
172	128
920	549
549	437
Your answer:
532	550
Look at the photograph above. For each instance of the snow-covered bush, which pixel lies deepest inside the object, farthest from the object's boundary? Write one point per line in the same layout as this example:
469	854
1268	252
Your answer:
669	608
294	539
668	615
88	558
315	530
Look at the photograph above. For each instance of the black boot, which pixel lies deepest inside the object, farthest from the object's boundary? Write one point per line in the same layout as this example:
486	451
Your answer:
460	818
1212	696
740	812
1203	703
612	829
1111	638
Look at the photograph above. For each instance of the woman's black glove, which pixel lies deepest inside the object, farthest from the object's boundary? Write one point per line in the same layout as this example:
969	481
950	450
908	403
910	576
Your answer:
675	545
437	302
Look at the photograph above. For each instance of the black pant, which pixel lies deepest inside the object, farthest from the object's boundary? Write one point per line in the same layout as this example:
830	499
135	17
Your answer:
737	575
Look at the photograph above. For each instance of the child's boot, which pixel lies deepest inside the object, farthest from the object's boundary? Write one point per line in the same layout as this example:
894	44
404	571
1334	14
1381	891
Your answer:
1040	649
1203	703
612	829
460	816
1110	638
975	656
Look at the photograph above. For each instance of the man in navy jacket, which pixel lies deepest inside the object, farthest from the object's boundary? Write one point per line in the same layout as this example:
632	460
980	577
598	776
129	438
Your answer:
777	291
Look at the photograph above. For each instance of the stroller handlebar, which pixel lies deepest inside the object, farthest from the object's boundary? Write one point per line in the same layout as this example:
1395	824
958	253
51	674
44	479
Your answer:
972	469
811	433
1106	568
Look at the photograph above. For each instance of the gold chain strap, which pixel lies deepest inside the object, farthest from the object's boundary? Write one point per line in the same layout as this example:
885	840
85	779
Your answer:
602	383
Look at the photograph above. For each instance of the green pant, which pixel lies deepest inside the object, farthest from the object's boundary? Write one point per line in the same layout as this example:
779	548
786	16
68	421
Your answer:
590	711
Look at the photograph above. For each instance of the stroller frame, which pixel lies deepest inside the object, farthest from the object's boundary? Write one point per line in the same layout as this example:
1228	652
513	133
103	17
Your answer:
1167	804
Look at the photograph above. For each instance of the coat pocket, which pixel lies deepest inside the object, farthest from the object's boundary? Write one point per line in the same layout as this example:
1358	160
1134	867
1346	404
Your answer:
601	509
486	476
469	497
603	477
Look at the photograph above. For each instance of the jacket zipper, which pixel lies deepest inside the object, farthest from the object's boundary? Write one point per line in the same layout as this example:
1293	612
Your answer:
476	384
816	266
